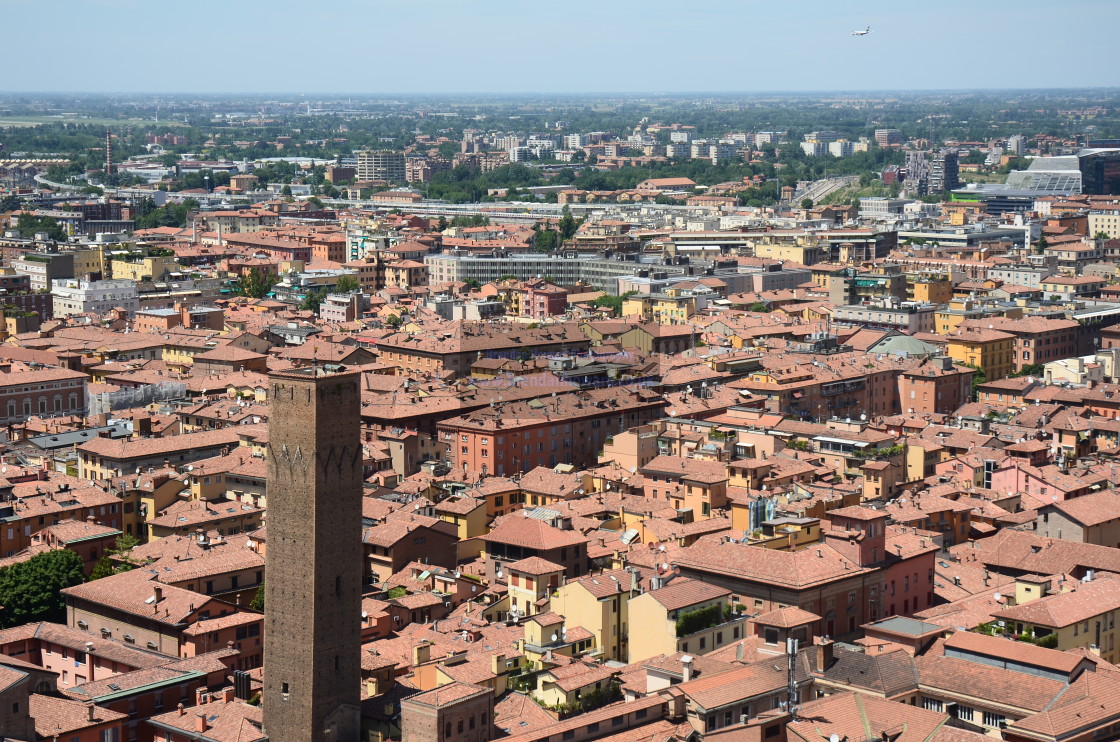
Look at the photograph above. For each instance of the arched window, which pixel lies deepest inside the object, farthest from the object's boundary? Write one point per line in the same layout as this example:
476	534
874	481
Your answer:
73	401
11	408
27	405
42	405
58	403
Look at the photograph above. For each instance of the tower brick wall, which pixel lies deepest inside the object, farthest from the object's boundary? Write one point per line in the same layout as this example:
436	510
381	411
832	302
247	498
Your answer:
312	664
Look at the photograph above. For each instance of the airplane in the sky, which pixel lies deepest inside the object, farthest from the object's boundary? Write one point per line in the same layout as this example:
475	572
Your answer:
863	32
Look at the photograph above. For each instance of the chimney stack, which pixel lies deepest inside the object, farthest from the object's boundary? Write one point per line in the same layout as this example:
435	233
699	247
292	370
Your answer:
823	655
158	590
686	667
200	723
89	710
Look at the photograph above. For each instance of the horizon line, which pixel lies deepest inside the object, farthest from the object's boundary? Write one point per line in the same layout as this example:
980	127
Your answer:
665	93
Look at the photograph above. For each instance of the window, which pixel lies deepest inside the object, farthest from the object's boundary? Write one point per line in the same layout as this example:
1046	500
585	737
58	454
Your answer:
964	713
993	720
932	704
771	635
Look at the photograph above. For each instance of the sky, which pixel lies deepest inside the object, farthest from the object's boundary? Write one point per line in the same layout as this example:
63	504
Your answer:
562	46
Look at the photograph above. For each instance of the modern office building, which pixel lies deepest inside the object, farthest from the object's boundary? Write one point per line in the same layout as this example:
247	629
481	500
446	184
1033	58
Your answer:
944	171
381	164
888	137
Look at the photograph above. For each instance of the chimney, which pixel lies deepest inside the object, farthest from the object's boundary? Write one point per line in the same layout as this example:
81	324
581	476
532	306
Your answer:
199	696
421	653
181	710
371	687
823	655
89	710
498	664
158	591
686	667
200	723
227	694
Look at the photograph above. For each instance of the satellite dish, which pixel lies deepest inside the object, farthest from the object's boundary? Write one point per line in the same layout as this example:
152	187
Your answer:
499	574
998	597
863	416
834	738
554	637
664	566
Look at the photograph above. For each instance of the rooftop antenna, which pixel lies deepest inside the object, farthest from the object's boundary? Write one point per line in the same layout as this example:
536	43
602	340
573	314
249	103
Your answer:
791	682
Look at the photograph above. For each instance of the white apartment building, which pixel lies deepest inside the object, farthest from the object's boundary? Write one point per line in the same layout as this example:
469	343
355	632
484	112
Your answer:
73	296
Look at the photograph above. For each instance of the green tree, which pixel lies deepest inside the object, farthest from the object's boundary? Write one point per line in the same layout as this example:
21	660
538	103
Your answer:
545	240
441	224
1101	236
612	302
347	284
978	378
256	284
313	300
257	603
29	224
806	203
1031	369
102	568
286	190
568	223
397	592
31	590
1041	245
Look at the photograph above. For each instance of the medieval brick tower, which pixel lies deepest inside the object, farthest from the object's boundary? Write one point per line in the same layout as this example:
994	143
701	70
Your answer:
313	583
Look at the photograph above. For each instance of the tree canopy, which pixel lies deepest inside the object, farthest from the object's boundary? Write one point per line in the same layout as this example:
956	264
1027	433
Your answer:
347	284
29	224
313	300
31	590
256	284
168	215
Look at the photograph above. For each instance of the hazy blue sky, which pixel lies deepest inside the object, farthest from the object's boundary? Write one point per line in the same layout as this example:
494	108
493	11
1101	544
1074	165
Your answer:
457	46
